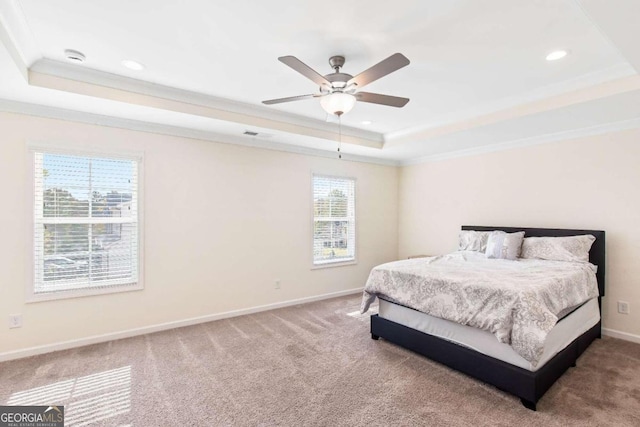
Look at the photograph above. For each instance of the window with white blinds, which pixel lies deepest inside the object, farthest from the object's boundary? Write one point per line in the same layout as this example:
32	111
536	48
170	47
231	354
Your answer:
334	219
85	223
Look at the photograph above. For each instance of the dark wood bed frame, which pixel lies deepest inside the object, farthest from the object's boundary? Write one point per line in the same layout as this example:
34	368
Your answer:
528	386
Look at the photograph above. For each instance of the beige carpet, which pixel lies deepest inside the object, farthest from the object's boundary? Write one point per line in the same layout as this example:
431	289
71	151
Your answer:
309	365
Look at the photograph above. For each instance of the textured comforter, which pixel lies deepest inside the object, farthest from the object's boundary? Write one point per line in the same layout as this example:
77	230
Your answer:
518	301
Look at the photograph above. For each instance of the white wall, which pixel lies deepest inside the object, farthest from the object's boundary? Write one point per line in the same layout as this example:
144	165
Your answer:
589	183
222	223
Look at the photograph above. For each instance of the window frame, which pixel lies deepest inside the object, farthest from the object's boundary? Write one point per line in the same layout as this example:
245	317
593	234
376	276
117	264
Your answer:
73	149
337	263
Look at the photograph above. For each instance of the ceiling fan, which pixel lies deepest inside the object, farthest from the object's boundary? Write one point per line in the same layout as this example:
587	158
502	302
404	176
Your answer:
340	91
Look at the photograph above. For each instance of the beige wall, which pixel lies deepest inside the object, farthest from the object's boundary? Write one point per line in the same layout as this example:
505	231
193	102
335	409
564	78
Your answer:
222	223
589	183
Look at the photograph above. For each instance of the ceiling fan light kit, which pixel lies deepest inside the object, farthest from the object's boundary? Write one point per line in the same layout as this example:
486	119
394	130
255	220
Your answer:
338	103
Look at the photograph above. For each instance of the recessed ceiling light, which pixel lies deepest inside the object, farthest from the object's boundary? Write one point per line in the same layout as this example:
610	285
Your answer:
74	55
557	54
133	65
366	122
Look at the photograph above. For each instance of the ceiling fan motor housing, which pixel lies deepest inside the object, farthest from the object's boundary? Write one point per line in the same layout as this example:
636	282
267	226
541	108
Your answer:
338	80
336	62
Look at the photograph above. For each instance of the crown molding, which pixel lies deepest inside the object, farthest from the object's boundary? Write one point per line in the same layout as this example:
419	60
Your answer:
16	35
525	142
18	107
8	41
20	42
621	35
599	91
615	72
235	111
72	78
618	78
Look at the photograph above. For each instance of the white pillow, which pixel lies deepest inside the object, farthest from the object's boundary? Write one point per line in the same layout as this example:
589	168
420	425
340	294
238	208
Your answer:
503	245
570	248
470	240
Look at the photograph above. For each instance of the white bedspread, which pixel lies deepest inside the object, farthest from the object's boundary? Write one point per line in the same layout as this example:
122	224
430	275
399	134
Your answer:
518	301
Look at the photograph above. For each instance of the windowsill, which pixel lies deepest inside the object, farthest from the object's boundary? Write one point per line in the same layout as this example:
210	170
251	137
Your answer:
79	293
334	264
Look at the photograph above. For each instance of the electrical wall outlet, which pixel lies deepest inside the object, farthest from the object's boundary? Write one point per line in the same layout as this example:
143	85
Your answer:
277	285
15	321
623	307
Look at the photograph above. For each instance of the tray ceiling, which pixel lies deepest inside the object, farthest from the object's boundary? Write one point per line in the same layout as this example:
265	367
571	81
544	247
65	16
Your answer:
469	61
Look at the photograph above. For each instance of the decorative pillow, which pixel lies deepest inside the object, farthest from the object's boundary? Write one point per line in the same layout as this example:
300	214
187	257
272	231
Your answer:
571	248
504	245
471	240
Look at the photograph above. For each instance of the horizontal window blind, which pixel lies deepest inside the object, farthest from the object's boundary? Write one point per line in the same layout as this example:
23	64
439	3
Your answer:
85	222
334	219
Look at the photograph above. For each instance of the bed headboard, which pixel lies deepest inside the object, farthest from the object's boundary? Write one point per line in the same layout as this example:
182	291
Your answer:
596	254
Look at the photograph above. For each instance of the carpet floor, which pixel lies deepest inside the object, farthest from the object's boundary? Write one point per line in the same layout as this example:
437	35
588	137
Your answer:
308	365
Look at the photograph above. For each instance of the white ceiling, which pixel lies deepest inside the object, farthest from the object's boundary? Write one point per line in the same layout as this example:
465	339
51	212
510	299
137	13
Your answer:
469	60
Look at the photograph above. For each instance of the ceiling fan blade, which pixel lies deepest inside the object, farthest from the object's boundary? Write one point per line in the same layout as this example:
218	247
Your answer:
381	69
304	69
377	98
289	99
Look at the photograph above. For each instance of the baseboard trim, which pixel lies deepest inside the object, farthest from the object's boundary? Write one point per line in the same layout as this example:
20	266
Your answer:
95	339
621	335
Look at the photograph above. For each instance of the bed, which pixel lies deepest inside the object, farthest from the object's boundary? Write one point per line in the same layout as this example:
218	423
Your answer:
467	350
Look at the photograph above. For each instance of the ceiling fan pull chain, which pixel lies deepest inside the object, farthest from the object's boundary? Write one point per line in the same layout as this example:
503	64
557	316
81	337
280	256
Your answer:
339	134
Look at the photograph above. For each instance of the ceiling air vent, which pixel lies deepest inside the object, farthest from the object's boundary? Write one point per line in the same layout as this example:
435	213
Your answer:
250	133
74	55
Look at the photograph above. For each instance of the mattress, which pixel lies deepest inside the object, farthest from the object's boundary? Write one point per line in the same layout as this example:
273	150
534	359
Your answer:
564	332
519	301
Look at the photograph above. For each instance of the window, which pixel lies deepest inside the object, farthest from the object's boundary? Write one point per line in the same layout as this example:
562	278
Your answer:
86	236
334	220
